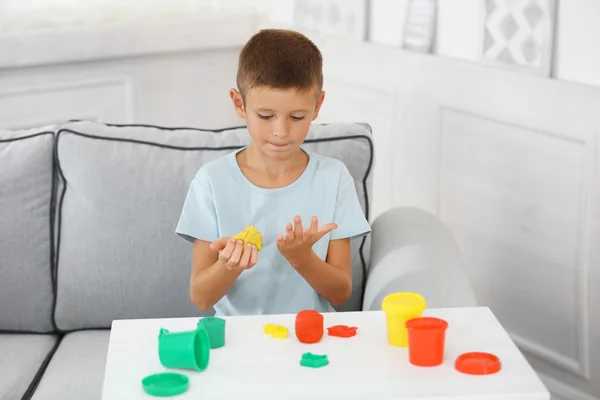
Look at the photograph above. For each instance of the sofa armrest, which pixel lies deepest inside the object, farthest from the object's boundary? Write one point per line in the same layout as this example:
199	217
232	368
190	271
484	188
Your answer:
413	251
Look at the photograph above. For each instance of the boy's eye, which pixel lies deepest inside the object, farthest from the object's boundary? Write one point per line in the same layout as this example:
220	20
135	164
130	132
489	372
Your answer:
264	116
297	118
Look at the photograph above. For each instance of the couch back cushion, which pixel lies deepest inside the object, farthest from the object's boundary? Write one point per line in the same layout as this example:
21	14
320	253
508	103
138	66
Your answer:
122	190
26	291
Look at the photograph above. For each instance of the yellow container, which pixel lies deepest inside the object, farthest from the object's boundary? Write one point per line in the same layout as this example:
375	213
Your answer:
399	308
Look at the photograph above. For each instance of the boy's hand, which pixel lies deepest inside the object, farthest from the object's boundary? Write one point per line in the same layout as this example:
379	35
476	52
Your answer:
234	255
297	244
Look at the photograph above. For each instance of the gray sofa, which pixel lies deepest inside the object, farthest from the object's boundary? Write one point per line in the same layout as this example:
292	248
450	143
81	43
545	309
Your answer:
87	219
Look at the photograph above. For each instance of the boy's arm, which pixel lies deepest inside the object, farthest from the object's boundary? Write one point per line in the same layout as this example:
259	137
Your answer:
332	278
211	276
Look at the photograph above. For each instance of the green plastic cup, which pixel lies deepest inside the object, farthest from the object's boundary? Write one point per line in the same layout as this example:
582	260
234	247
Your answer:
216	330
184	350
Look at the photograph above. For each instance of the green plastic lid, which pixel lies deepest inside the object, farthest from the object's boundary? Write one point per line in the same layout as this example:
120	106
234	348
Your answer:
166	384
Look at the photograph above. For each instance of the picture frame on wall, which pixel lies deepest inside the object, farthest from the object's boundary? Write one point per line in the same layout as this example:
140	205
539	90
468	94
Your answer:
335	17
519	34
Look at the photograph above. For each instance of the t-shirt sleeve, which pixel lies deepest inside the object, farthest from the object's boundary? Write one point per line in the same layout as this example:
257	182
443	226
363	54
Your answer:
198	218
348	214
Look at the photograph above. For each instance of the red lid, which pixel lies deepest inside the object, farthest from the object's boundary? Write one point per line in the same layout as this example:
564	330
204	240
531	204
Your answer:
342	331
477	363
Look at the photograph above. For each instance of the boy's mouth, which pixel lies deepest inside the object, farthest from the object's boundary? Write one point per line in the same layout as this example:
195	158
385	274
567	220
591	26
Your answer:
278	145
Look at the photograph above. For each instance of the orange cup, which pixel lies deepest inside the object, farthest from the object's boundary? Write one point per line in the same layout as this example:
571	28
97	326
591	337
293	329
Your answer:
426	339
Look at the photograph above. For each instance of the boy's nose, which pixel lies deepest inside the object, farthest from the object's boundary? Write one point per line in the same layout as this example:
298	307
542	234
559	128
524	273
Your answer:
281	130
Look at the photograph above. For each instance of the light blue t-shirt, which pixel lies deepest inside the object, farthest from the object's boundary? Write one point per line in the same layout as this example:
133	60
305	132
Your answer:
221	201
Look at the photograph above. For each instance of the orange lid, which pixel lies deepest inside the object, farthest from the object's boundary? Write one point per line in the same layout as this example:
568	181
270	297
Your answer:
477	363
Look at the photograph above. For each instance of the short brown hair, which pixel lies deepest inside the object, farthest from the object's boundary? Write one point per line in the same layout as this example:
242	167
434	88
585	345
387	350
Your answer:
281	59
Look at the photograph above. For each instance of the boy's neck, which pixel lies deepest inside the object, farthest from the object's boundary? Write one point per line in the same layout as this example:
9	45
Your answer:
272	167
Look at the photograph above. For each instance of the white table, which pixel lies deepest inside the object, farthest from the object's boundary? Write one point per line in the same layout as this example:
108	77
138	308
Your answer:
253	365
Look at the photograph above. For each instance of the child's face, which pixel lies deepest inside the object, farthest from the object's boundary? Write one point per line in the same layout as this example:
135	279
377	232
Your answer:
278	119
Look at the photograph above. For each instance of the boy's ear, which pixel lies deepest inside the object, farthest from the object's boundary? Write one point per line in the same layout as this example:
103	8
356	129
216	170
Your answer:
238	102
319	104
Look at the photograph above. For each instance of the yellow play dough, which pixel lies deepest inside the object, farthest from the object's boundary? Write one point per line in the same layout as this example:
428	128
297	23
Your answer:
250	235
276	331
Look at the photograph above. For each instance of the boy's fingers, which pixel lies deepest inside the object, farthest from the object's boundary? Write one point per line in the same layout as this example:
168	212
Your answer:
325	229
280	241
328	228
289	233
245	260
314	226
298	231
236	255
225	254
220	243
311	233
253	256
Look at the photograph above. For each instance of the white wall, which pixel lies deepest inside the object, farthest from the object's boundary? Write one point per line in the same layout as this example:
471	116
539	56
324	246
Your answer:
577	37
577	30
386	21
175	73
458	29
577	50
578	42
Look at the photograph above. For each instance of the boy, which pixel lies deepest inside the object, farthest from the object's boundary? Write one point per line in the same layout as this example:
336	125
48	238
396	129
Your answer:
281	189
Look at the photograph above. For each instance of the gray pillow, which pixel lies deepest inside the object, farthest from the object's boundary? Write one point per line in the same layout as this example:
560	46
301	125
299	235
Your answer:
26	185
118	256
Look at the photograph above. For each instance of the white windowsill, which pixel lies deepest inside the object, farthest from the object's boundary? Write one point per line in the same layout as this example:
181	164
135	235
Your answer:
86	43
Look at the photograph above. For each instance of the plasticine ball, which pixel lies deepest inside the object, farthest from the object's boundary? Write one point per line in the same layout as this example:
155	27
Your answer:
309	326
250	235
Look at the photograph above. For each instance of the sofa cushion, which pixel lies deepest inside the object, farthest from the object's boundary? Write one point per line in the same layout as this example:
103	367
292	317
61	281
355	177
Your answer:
26	292
22	356
118	255
76	370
